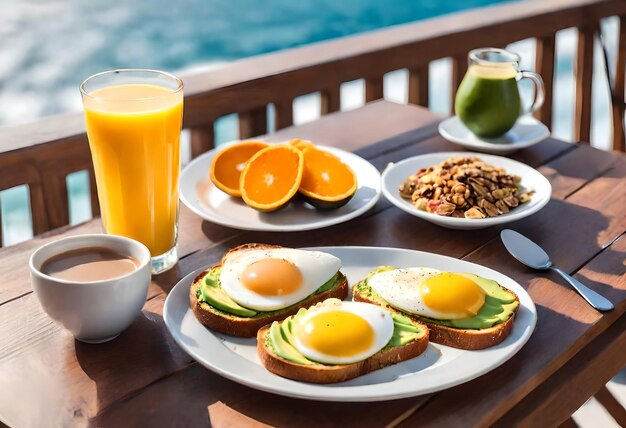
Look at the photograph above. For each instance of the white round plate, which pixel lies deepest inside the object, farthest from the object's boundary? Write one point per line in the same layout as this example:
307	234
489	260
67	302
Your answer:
531	179
439	367
203	198
527	131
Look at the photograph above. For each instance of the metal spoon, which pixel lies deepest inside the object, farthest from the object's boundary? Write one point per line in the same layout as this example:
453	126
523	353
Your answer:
533	256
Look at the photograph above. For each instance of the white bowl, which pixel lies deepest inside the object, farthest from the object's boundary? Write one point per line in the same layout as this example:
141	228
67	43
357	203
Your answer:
96	311
531	179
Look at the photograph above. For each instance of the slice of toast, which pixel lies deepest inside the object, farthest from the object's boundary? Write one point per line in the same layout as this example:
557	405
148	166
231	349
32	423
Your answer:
235	325
468	339
323	373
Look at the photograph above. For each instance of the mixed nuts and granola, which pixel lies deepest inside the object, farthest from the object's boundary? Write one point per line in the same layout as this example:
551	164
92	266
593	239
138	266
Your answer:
464	187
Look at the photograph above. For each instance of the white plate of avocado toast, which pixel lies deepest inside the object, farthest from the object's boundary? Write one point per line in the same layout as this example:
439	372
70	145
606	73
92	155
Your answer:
438	368
206	200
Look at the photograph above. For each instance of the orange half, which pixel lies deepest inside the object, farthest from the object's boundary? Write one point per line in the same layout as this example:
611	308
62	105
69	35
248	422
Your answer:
228	164
301	144
272	177
327	182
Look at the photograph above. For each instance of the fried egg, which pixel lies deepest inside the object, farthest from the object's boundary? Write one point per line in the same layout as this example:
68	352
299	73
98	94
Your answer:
429	292
337	332
271	279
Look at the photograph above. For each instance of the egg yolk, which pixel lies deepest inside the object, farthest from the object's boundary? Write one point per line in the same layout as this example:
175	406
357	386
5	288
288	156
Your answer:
451	293
336	334
272	277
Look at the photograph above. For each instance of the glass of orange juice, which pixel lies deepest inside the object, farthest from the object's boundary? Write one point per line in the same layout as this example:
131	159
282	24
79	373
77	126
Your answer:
134	119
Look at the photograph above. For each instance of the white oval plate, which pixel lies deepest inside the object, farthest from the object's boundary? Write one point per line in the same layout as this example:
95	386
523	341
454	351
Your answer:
439	367
395	174
527	132
218	207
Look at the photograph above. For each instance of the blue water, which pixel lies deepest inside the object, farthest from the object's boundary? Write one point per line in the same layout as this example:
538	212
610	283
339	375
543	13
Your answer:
47	47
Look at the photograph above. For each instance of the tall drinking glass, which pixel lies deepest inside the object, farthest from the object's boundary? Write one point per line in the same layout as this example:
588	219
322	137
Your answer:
134	119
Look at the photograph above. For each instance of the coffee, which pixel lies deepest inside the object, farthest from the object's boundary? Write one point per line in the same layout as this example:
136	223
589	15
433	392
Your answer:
89	264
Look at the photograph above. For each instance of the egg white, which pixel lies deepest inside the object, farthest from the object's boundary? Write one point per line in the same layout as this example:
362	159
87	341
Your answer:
316	268
401	289
378	318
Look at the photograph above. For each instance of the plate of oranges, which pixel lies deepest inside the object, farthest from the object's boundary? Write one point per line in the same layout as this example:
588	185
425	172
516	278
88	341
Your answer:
280	187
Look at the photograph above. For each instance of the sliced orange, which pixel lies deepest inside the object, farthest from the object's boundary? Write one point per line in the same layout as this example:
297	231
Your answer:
272	177
227	165
327	182
301	144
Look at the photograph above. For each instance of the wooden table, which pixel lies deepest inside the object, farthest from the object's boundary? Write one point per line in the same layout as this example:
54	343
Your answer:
143	378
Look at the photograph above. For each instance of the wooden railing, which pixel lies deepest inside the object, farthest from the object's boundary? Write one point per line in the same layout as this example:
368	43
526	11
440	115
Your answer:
41	155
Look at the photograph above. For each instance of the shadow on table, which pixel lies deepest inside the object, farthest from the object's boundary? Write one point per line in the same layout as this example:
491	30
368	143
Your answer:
140	355
579	240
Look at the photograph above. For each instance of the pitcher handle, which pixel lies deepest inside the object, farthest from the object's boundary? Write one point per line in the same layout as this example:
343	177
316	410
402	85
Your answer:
539	89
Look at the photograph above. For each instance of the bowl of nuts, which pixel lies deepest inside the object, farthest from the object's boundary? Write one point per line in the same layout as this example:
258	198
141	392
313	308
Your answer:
463	190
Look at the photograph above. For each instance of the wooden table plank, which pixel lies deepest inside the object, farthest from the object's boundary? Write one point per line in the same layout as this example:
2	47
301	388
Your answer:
189	390
63	382
159	371
353	130
569	173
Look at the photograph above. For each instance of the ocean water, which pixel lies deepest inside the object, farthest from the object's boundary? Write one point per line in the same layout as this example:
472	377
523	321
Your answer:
50	46
47	47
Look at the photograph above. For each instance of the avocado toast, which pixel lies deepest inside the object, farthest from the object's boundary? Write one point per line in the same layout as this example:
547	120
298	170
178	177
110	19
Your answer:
490	326
278	350
218	311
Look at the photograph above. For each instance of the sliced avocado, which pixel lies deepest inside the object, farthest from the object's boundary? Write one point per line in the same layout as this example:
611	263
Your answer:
328	284
499	306
281	340
214	295
285	329
491	287
404	331
211	292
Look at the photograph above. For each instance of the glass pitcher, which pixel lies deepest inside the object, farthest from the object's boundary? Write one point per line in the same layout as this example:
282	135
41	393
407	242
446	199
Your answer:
488	100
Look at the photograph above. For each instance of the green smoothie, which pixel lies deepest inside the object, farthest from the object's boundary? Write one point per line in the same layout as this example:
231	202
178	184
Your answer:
488	100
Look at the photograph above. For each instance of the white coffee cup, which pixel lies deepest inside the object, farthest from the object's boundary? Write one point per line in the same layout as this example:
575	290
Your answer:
95	311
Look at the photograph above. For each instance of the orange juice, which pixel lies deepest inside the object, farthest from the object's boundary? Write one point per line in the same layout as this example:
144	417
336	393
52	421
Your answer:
134	136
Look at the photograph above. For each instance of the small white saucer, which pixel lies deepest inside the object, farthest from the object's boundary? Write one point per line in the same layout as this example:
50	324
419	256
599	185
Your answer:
527	131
